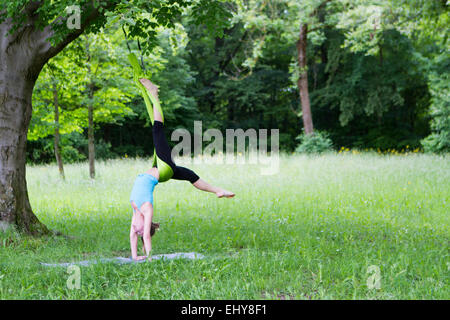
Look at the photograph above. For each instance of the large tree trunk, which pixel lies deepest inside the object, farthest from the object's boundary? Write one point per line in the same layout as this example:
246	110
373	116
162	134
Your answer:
303	80
19	69
57	135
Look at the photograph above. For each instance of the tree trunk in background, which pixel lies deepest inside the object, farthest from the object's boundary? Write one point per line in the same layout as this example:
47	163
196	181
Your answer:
92	88
91	146
303	80
56	135
381	54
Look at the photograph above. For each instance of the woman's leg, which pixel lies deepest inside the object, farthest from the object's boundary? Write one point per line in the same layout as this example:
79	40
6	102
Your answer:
164	153
204	186
162	148
182	173
153	90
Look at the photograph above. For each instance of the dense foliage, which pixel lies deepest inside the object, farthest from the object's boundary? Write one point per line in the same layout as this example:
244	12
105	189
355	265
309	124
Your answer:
378	76
315	143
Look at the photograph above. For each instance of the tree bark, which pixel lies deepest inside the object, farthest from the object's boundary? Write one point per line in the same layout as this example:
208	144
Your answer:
91	146
19	69
57	135
302	82
91	91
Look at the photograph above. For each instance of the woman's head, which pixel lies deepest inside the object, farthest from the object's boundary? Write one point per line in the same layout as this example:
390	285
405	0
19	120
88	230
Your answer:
152	231
139	225
139	228
153	228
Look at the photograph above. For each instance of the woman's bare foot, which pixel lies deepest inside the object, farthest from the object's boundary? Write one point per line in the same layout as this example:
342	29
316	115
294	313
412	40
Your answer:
151	87
224	193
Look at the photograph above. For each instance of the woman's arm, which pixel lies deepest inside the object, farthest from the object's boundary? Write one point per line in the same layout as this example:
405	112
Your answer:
148	215
133	241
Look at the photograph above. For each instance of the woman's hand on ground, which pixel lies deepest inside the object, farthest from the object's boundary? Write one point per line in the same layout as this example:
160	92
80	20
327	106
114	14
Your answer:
140	258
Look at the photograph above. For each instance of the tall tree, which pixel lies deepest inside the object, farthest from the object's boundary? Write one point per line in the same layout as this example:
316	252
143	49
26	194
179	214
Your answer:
31	33
56	100
302	81
293	21
105	84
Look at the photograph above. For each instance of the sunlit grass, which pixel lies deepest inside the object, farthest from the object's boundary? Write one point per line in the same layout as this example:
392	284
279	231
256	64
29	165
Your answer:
309	232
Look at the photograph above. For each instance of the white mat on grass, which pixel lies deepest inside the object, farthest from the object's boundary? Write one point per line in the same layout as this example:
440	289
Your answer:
122	260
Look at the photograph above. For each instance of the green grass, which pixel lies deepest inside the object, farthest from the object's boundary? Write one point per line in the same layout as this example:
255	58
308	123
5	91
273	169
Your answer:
310	232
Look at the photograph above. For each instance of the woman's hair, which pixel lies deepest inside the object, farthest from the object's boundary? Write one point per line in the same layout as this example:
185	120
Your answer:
153	228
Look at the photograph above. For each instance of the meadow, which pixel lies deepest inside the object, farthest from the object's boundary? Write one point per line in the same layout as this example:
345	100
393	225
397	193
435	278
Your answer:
325	227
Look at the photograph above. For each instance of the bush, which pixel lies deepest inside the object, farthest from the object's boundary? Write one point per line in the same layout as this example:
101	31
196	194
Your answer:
437	143
72	147
103	150
71	155
439	140
40	151
317	142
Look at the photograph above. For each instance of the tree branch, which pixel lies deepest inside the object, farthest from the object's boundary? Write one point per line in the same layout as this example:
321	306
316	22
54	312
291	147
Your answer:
32	6
315	12
225	63
47	51
28	12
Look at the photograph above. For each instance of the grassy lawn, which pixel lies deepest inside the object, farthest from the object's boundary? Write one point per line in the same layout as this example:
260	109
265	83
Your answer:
310	232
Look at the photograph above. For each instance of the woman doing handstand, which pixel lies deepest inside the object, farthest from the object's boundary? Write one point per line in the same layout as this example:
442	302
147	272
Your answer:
142	194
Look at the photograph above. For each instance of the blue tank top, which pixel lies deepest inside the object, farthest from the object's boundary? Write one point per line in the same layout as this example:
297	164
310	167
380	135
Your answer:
143	189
